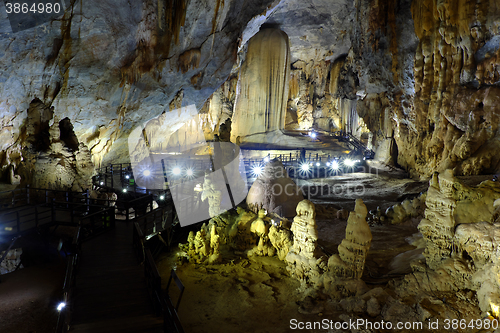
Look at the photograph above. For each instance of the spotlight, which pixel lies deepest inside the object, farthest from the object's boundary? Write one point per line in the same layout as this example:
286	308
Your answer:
313	135
349	162
102	183
127	176
327	163
189	172
146	173
176	171
162	197
257	170
304	167
61	306
318	164
334	165
124	190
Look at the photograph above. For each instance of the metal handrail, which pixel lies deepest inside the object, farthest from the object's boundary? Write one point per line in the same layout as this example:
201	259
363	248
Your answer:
161	301
64	318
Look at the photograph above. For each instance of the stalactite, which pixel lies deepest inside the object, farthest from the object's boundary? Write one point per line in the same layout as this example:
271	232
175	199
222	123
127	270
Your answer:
189	59
158	27
219	4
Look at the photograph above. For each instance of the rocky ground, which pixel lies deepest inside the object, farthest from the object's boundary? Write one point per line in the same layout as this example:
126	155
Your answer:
256	294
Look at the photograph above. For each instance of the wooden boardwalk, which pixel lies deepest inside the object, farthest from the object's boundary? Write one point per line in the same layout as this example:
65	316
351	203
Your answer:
111	293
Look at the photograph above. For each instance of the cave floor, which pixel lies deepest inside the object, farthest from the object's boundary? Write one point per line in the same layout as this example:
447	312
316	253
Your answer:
256	294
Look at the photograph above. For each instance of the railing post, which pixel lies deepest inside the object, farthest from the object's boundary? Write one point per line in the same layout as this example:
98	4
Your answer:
28	194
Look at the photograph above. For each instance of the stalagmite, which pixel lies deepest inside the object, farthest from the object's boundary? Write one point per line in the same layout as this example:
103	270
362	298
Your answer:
274	191
305	260
203	247
213	194
350	261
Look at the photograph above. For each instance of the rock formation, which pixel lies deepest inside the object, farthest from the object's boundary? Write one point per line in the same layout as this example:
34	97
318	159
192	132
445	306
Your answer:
282	240
213	195
305	260
12	260
274	191
261	229
260	105
462	241
409	208
203	247
350	261
451	203
51	156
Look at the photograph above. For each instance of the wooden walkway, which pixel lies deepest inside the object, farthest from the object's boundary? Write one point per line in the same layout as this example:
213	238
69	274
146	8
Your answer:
111	293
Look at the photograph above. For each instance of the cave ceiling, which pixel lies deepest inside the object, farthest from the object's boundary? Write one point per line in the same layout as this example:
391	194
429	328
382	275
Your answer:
110	65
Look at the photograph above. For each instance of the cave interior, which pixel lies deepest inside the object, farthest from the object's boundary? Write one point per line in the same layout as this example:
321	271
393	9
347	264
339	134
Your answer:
249	166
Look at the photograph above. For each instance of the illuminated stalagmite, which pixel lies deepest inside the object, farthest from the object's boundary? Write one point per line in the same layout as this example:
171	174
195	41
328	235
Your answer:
350	261
305	260
262	90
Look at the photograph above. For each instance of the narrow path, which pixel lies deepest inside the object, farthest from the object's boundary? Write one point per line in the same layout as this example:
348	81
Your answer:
111	293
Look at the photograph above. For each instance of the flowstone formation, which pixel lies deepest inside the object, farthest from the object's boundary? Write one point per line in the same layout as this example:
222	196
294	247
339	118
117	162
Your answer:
274	191
462	241
305	259
350	261
263	85
454	121
50	154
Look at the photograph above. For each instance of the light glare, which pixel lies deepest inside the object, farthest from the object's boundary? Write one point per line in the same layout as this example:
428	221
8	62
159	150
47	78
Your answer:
349	162
189	172
146	173
334	165
257	170
61	306
305	167
176	171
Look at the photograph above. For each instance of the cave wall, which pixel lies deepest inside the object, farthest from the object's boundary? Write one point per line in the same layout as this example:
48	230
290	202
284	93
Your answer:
429	72
111	65
422	76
